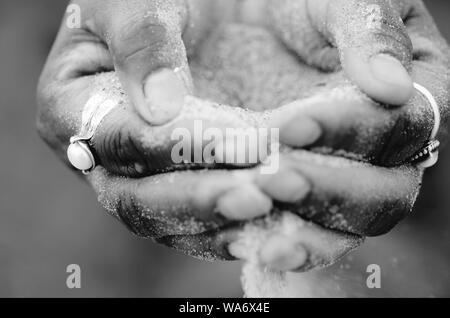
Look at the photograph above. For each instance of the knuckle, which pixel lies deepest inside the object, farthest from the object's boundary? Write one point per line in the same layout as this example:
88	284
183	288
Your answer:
130	214
395	42
376	22
110	148
405	136
121	200
198	197
388	215
144	36
119	150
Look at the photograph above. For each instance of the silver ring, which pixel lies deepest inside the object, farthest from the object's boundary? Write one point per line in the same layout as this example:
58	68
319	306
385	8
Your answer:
79	152
429	155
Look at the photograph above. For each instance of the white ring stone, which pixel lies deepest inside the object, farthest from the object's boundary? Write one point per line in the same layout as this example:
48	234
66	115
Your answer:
80	157
95	110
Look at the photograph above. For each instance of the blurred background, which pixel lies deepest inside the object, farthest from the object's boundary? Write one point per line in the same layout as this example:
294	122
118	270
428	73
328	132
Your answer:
49	218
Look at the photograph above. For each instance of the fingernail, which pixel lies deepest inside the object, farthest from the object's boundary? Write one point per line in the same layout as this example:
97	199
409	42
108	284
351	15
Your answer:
283	254
164	97
286	186
300	131
244	203
388	69
238	250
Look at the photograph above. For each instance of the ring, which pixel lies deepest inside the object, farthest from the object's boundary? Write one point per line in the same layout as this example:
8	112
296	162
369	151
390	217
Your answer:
429	155
79	152
80	155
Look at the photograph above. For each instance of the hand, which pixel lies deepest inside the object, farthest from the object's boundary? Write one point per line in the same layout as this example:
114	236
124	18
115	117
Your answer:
351	125
139	42
129	198
374	44
354	34
384	136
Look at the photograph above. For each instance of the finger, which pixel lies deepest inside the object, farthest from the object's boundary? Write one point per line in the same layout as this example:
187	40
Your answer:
431	58
65	83
245	202
176	203
286	185
282	253
300	246
203	135
371	40
346	196
211	245
192	202
78	54
189	202
428	43
383	137
123	142
126	145
375	48
283	242
137	39
353	197
145	41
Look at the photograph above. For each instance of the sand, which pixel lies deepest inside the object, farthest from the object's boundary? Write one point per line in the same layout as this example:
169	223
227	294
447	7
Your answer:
324	249
248	67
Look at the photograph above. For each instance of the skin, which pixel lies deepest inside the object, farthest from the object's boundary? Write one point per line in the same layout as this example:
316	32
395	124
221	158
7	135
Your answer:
140	38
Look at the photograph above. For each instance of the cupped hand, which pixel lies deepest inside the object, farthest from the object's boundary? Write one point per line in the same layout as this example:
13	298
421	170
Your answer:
380	47
144	42
368	200
376	43
169	206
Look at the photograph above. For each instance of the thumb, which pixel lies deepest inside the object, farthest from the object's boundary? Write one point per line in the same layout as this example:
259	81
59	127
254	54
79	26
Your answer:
145	40
374	47
367	37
